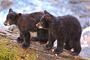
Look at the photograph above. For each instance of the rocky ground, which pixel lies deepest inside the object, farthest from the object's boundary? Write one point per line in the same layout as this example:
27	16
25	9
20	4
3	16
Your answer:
38	48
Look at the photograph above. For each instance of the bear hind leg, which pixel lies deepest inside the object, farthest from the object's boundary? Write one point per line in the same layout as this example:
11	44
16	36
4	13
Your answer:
20	38
77	48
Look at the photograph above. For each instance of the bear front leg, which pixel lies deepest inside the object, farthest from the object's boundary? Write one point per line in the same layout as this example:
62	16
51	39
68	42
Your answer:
20	38
26	37
42	35
50	42
67	45
60	45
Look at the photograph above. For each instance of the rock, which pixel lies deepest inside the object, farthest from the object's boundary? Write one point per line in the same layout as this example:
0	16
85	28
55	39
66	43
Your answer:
13	29
88	7
5	4
85	42
85	37
78	1
8	34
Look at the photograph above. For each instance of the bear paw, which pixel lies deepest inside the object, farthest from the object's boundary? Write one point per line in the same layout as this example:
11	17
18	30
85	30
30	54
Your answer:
43	41
57	51
68	48
48	47
19	40
24	45
74	53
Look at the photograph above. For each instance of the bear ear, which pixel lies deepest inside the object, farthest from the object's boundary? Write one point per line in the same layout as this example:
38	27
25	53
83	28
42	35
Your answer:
19	15
45	12
10	10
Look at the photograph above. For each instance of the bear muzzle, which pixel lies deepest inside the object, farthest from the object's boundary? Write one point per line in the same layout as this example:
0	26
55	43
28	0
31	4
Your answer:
6	23
38	25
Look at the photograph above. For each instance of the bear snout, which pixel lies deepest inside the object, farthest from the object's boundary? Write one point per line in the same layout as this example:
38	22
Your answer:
6	23
38	25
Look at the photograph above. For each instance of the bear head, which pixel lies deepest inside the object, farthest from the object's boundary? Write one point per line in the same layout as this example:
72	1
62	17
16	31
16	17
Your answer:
12	17
45	20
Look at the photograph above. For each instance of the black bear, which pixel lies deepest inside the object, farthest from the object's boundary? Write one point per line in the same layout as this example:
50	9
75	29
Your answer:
66	29
26	23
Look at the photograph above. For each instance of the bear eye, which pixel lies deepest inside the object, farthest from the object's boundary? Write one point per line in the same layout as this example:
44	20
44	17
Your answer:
10	19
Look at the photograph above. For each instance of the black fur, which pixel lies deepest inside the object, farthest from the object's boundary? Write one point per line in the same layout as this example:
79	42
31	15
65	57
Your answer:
66	29
26	23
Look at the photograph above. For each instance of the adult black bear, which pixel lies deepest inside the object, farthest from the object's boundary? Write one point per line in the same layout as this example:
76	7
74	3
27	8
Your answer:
26	23
66	29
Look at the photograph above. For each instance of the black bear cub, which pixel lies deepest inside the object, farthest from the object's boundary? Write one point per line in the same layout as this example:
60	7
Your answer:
66	29
26	23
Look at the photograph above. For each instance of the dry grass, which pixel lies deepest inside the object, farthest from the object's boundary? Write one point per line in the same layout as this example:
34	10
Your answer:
13	51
